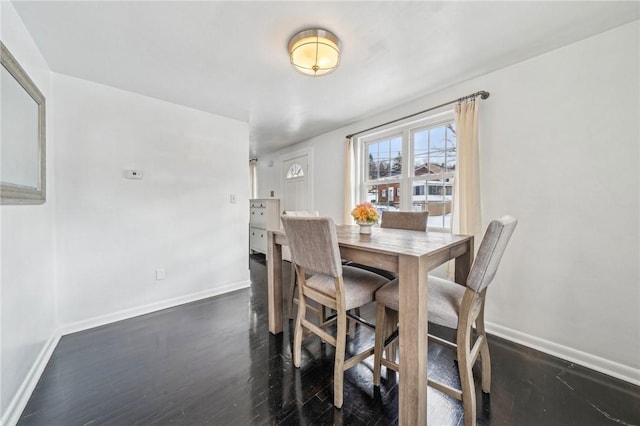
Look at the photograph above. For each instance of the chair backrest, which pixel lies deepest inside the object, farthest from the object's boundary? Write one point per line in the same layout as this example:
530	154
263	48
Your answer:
314	244
302	213
490	252
286	253
415	221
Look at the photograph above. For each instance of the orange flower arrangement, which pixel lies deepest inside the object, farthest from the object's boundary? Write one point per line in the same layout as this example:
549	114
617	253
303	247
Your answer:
365	212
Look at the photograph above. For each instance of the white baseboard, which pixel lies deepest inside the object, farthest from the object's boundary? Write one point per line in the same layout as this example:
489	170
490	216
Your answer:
611	368
152	307
20	399
11	416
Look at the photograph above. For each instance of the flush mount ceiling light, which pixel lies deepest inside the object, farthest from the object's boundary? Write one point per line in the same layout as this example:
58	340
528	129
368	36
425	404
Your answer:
314	52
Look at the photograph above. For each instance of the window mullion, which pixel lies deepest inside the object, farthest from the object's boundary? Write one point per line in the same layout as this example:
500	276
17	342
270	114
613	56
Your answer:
406	194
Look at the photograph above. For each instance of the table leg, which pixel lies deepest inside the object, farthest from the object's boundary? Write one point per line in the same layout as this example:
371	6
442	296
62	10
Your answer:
413	340
274	284
463	264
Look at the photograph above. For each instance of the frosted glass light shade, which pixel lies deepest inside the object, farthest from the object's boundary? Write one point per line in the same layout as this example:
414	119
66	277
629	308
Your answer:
314	52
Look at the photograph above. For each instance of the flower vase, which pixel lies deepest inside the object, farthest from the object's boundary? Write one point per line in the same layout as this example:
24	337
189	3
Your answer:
365	227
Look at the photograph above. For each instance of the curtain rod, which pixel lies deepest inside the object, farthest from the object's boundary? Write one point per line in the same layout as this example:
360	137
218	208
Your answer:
482	94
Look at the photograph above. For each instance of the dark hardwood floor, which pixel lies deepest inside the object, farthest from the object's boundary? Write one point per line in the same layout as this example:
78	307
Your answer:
214	362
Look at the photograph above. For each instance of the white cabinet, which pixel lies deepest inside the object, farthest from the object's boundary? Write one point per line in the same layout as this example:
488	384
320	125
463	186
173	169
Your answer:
264	215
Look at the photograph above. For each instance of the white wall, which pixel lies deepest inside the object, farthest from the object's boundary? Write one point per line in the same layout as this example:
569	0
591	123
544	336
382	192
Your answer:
27	296
559	150
113	233
88	256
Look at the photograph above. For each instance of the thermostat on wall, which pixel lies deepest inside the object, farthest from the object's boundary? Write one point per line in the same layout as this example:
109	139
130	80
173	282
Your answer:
133	174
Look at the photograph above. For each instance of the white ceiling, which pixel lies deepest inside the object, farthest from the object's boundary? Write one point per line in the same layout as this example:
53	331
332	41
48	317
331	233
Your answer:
230	58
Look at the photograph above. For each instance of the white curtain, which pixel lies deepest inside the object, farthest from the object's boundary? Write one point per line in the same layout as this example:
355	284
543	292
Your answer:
466	199
253	179
350	180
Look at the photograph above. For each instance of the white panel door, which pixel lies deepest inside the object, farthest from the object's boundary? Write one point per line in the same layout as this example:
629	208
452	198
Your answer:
295	177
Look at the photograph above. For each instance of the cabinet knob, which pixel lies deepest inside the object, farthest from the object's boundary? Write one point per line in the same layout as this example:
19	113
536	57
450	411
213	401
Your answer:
261	213
253	233
261	235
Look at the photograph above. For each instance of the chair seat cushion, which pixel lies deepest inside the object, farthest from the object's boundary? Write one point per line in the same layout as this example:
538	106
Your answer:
445	298
359	285
387	274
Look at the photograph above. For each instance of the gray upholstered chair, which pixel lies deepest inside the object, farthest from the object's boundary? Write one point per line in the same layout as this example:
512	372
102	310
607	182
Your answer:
454	306
314	247
415	221
286	255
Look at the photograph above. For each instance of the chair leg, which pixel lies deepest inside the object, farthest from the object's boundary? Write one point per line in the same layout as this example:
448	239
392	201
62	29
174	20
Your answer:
390	327
485	358
379	345
322	314
466	374
293	283
338	371
297	336
354	324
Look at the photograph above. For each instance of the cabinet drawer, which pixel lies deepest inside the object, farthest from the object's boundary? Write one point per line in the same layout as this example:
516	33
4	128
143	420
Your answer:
258	239
258	204
258	217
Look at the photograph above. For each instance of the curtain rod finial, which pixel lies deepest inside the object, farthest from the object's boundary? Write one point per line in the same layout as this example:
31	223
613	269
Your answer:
483	94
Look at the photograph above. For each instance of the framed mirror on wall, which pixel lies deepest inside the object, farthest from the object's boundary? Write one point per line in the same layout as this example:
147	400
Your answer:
22	135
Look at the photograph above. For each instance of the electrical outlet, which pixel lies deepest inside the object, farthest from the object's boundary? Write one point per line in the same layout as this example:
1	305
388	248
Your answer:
160	274
133	174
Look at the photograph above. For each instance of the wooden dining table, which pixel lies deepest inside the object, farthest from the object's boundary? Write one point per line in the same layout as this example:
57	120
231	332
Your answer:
412	254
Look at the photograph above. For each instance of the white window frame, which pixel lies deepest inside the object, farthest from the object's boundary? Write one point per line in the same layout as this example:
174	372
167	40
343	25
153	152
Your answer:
406	178
297	174
365	182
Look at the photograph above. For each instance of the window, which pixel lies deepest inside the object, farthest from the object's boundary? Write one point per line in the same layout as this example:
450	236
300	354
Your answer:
295	171
384	172
412	168
434	166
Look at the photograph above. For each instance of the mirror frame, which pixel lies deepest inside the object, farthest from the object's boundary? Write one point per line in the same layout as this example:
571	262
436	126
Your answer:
12	193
